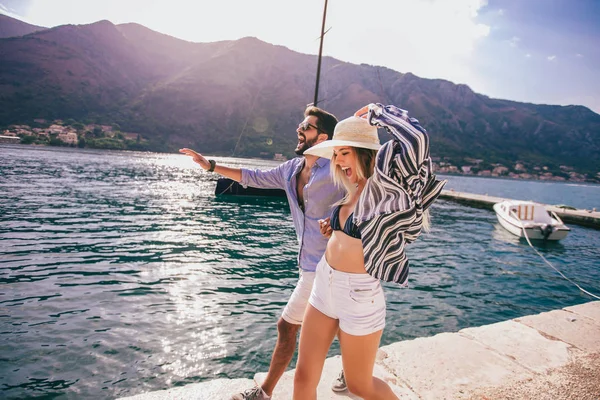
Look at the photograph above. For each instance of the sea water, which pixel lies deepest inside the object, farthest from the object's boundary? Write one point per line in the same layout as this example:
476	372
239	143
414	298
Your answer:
122	273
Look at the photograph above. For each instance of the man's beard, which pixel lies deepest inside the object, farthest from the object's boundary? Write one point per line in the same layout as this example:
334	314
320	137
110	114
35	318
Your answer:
305	146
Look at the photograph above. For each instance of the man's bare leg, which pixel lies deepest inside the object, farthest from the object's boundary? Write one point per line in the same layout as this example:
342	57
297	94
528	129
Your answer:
282	355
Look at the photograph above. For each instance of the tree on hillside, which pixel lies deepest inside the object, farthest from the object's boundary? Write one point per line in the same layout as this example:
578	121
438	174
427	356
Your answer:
28	139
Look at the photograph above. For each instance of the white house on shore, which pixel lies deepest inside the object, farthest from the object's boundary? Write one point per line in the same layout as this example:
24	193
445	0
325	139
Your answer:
68	137
57	129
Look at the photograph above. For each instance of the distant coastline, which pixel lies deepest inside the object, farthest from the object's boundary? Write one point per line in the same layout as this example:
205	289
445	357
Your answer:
507	178
591	181
565	174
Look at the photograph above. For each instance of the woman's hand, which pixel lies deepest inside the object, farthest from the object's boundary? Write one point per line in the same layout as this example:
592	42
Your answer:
197	157
325	227
364	111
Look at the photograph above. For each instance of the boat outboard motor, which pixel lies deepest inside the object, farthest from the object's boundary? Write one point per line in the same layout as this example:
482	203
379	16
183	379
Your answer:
546	230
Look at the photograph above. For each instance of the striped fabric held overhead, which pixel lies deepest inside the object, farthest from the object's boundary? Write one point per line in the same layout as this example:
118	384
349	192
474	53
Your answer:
389	212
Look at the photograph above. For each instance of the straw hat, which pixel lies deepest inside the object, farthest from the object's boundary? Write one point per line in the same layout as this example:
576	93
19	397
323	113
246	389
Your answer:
354	132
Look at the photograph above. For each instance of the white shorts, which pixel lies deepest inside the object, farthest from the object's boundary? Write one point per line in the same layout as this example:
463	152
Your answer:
356	300
294	309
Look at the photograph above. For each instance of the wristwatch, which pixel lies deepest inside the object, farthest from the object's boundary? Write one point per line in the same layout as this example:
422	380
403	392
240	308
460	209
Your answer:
213	164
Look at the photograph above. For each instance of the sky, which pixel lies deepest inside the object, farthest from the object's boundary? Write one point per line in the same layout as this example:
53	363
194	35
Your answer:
538	51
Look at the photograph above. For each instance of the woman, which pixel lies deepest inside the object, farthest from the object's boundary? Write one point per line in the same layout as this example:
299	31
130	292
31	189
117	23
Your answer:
388	192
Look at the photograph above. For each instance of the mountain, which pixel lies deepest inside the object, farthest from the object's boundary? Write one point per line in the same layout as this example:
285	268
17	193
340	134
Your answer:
246	96
10	27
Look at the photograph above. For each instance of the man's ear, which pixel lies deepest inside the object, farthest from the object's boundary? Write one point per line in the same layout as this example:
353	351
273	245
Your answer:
321	137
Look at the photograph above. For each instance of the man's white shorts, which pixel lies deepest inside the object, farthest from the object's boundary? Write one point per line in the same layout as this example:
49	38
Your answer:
294	309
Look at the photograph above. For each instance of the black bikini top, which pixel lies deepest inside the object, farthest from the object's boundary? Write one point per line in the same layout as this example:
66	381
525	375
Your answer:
350	228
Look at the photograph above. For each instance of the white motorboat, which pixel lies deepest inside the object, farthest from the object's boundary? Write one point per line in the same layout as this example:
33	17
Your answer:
518	216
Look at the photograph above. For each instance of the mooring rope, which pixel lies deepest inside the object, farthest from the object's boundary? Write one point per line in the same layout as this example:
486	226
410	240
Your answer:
227	188
550	264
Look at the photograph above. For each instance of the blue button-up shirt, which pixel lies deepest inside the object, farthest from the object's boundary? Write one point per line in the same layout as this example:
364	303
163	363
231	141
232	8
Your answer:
319	194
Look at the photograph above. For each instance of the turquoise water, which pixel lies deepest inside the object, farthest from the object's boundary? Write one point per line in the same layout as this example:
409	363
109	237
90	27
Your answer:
121	272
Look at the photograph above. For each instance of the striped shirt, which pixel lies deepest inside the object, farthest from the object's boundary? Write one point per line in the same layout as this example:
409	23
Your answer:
389	212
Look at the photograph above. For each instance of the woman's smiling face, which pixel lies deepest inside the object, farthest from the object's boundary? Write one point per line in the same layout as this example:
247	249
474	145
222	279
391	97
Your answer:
345	159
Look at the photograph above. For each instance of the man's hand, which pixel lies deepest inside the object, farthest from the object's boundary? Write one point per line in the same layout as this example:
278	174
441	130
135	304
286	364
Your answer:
325	227
197	157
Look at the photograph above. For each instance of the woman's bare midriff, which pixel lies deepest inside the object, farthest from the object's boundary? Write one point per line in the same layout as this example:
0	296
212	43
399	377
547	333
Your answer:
345	253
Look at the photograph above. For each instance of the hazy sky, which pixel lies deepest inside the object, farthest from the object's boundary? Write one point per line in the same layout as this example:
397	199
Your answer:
540	51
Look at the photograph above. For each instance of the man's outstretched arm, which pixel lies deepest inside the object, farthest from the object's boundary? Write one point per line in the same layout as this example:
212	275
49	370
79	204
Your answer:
231	173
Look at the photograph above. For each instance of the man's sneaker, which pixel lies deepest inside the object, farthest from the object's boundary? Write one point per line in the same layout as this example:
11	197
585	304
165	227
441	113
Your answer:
339	383
256	393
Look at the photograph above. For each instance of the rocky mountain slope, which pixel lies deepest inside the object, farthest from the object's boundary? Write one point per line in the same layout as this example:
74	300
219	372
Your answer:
10	27
249	95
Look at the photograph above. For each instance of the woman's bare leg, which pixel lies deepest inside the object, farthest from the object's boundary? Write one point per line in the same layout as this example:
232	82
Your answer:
316	335
358	359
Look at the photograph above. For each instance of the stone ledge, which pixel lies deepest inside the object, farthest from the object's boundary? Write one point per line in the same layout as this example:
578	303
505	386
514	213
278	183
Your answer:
523	345
331	370
553	355
574	329
217	389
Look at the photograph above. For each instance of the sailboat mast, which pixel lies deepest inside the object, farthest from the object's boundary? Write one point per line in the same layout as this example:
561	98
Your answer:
316	100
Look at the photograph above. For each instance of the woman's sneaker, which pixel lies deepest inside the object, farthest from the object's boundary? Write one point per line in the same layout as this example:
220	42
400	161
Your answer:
256	393
339	383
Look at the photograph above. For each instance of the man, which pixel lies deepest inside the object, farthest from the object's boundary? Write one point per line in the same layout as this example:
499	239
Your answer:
311	193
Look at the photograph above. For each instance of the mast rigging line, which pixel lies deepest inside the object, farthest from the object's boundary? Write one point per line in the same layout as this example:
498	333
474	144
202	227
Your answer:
316	98
251	111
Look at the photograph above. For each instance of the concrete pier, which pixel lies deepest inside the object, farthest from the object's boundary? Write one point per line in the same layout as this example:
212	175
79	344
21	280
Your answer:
587	218
10	139
553	355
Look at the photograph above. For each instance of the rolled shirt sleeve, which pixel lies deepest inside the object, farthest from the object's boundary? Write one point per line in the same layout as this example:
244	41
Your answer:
265	179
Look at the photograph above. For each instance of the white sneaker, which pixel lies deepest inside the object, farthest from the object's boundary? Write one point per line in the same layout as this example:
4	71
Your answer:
339	383
256	393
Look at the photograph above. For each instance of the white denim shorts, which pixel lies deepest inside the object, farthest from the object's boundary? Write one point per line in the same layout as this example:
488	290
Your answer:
294	309
356	300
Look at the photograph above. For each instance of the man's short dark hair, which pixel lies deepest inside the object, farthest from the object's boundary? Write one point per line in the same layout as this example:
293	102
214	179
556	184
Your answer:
326	122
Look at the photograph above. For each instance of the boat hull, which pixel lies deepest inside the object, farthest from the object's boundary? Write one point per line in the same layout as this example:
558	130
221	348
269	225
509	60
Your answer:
533	232
229	187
